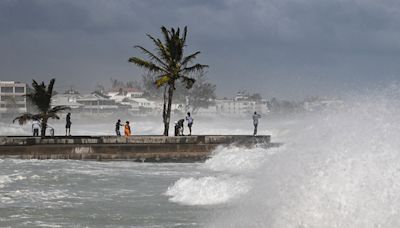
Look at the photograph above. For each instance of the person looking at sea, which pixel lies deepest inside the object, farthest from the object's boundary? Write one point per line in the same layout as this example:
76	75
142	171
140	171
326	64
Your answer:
255	122
35	128
68	125
189	119
127	129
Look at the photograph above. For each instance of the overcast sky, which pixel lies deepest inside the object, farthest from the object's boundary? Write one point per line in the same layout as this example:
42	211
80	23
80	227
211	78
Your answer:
281	48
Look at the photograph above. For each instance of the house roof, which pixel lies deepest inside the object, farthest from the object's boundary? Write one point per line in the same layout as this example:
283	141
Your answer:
128	90
93	97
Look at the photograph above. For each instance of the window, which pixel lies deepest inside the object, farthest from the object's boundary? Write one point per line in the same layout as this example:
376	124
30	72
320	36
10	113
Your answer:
6	98
20	89
7	89
19	98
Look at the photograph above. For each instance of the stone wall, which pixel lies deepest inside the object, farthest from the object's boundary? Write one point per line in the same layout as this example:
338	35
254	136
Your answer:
136	148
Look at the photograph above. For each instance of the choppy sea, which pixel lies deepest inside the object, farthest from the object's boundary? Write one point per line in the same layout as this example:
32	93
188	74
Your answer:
338	167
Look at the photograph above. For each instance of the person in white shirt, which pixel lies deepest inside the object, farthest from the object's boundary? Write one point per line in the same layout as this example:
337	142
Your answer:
255	122
189	119
35	128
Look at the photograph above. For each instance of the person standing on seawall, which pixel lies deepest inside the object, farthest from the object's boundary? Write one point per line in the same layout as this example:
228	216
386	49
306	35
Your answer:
68	125
117	126
189	119
35	128
255	122
127	129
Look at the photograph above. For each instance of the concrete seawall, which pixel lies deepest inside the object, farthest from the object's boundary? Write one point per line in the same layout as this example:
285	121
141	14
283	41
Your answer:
136	148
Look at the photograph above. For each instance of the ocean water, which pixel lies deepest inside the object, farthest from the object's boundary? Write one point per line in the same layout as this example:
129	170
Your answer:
339	167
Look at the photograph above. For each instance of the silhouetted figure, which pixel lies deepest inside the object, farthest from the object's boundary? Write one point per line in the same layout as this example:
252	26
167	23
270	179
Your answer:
127	129
68	125
179	127
255	122
35	128
176	132
117	127
189	120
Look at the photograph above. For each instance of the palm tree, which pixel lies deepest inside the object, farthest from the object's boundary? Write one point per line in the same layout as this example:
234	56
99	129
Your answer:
41	98
169	65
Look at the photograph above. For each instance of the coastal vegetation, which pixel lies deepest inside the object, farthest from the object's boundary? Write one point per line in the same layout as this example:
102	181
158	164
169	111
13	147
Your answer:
169	65
40	97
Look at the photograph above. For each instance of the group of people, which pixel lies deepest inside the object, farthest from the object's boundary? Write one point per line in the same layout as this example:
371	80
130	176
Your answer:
127	128
180	123
179	129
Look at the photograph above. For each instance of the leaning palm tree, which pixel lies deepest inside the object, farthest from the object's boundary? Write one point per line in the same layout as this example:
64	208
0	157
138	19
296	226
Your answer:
41	98
169	65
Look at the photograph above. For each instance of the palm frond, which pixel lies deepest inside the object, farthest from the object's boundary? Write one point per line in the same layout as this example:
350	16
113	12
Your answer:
50	87
167	34
193	69
161	49
184	35
52	115
145	64
187	81
59	108
162	80
24	118
189	58
40	95
151	55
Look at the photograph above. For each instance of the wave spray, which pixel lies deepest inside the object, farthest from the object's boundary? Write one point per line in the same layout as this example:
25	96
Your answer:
338	168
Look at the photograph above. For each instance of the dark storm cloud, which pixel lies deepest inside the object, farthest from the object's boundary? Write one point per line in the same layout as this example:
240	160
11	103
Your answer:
280	47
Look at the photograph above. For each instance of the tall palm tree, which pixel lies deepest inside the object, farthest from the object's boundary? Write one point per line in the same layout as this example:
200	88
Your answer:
169	65
41	98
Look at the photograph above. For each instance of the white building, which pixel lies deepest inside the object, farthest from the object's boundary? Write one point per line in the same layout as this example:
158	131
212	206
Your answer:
241	105
122	93
66	100
12	98
231	106
69	98
96	103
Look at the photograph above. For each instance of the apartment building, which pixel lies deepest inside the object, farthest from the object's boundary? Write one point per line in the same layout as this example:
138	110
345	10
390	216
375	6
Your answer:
12	99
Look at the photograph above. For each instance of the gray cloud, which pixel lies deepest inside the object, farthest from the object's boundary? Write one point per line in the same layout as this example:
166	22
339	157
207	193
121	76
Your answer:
276	47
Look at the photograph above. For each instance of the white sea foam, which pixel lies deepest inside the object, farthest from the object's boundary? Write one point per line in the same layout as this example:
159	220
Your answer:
236	159
4	179
339	168
207	190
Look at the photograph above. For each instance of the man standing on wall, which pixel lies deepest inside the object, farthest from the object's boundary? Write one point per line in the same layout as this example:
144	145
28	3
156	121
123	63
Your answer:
35	128
68	125
117	127
255	122
189	119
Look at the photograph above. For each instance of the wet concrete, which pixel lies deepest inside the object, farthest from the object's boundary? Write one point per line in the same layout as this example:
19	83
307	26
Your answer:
135	148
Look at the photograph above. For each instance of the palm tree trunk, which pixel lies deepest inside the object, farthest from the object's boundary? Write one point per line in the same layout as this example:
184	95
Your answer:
43	127
167	108
165	111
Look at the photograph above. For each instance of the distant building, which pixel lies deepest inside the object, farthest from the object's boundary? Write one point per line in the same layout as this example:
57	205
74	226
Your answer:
121	93
12	98
97	103
67	99
241	104
232	106
139	105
